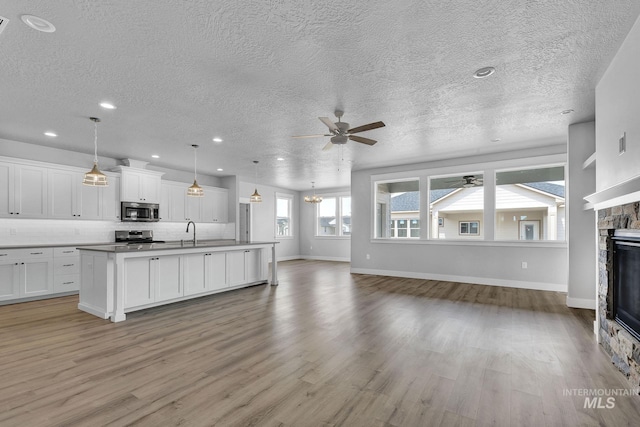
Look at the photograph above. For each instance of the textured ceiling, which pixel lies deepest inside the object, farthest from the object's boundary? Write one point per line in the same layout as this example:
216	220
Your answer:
257	72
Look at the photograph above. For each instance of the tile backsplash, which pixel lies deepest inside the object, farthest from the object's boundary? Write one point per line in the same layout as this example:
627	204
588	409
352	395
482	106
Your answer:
45	231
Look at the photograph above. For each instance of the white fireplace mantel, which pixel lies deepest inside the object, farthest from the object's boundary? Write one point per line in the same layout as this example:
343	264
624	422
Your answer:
620	194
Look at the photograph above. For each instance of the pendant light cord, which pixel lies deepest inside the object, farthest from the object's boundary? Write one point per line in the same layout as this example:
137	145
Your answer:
195	164
95	142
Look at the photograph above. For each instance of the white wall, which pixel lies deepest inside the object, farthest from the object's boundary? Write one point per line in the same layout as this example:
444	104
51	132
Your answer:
486	262
325	248
582	230
263	218
618	111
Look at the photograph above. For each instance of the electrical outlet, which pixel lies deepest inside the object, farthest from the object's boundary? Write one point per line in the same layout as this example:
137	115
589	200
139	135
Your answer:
368	256
524	264
622	144
13	231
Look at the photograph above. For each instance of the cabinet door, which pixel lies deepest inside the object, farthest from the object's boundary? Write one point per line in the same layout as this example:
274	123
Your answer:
168	280
111	199
30	191
221	206
138	282
6	190
253	265
165	202
89	201
62	193
9	279
196	267
150	188
130	185
235	268
217	271
193	206
177	208
36	278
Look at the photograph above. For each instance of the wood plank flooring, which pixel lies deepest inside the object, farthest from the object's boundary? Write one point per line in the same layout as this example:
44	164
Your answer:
325	348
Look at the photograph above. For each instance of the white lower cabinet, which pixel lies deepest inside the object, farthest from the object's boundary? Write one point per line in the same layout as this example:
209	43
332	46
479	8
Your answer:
26	273
66	270
204	272
244	266
151	279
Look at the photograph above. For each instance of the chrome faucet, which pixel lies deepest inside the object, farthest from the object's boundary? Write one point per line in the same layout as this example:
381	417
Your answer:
194	230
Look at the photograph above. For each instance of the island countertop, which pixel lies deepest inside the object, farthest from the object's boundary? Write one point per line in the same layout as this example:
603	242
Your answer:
172	245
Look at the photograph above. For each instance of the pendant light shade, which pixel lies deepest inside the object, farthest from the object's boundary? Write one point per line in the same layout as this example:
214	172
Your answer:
195	190
256	197
313	199
94	177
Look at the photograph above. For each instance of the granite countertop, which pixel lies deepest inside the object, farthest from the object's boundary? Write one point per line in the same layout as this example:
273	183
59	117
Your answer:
55	245
144	247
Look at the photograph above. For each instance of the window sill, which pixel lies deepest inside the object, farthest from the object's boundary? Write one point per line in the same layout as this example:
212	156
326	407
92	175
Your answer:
332	237
283	237
493	243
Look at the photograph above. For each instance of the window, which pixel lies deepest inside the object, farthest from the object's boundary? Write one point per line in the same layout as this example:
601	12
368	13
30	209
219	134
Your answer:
398	209
530	204
456	206
469	228
283	216
333	216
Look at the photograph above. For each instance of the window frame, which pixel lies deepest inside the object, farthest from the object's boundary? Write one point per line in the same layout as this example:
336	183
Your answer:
339	223
290	199
392	225
469	233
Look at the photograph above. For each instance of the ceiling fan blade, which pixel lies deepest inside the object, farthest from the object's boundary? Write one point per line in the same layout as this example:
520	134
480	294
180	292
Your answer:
328	146
312	136
332	127
370	126
362	140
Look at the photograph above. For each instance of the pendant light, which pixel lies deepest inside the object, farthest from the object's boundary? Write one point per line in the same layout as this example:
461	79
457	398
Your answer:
314	198
256	197
195	190
94	177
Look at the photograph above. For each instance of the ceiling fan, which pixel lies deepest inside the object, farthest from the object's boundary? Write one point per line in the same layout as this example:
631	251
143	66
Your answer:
340	131
467	181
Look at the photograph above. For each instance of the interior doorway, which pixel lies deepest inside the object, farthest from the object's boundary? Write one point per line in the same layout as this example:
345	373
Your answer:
244	222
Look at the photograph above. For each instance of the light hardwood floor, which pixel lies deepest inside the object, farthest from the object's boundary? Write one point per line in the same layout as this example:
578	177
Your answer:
325	348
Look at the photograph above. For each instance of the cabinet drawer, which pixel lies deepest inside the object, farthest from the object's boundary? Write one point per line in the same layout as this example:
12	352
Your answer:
66	265
66	282
25	254
60	252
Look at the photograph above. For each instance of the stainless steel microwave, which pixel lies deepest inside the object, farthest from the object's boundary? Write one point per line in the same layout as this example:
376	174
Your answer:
140	212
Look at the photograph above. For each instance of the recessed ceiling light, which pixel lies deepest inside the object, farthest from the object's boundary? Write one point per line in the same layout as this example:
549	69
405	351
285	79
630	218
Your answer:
107	105
495	140
216	139
569	111
219	169
280	159
155	156
51	134
38	23
484	72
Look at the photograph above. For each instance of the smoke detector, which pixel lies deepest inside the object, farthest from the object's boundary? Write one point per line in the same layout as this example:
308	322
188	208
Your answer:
3	23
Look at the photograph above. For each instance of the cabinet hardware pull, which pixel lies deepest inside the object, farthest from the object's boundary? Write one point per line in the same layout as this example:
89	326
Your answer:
22	263
68	283
68	265
36	253
67	252
17	263
4	254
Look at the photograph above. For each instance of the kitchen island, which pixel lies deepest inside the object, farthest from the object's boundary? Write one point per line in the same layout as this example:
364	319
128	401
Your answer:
118	279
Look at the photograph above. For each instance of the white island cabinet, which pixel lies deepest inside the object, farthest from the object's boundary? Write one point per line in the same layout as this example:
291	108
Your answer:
119	279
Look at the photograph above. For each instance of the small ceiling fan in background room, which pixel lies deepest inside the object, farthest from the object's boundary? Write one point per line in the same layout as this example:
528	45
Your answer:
340	131
467	181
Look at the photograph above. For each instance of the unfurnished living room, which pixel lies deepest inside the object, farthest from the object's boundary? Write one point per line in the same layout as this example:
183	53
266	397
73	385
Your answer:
320	213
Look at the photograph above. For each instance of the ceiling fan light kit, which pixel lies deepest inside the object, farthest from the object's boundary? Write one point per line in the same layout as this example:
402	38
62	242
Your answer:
94	177
340	132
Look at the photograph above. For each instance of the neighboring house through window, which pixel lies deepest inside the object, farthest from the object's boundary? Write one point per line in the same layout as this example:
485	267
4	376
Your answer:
333	216
283	215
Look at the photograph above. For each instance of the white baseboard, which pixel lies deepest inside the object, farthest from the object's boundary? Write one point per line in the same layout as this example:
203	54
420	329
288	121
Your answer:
93	310
581	303
287	258
540	286
325	258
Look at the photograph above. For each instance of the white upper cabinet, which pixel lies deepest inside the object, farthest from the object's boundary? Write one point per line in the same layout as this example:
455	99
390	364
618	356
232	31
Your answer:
215	205
23	191
139	185
176	206
70	199
111	198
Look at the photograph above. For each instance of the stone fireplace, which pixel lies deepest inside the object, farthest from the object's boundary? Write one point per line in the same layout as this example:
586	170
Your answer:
623	348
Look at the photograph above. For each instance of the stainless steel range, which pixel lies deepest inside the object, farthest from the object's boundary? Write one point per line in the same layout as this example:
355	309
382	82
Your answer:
135	236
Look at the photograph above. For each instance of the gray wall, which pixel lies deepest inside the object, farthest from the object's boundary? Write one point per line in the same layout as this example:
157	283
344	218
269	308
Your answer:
581	223
487	262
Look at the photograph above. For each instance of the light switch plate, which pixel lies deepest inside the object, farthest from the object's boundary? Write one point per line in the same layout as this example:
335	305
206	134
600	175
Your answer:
622	143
